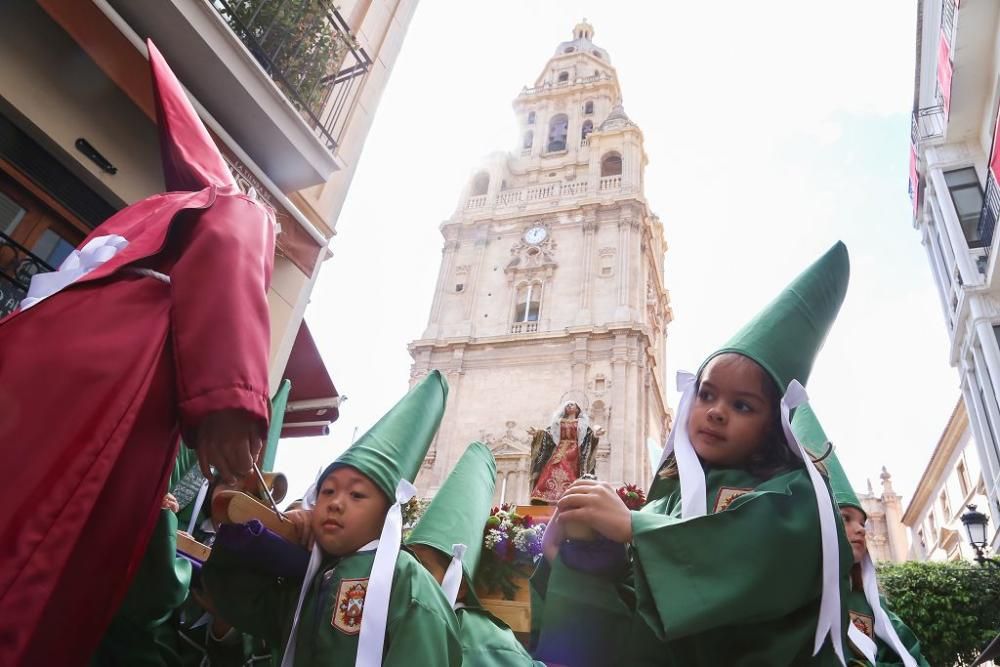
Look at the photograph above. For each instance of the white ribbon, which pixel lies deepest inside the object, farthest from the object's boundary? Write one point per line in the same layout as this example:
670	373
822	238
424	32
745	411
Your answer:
829	606
376	616
196	510
76	265
452	580
863	643
883	626
689	470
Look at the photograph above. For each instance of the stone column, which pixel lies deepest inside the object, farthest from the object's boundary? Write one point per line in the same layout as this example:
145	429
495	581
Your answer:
473	287
980	430
579	363
584	315
945	213
630	473
940	270
620	408
622	312
444	273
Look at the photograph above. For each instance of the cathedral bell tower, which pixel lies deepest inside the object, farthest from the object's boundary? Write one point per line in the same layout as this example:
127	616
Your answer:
551	284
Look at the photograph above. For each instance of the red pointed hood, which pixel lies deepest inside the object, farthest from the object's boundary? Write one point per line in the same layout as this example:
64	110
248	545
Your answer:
191	160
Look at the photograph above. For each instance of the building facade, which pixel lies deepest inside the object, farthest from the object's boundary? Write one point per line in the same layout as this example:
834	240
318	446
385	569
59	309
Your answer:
885	532
954	171
951	481
287	89
551	284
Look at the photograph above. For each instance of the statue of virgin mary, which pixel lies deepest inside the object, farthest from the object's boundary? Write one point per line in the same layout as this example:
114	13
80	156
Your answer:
561	453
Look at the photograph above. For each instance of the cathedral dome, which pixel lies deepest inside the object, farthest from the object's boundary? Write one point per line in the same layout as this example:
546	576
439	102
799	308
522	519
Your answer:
583	33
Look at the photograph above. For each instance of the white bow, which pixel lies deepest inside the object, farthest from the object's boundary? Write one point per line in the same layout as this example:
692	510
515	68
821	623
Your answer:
76	265
689	470
452	580
883	626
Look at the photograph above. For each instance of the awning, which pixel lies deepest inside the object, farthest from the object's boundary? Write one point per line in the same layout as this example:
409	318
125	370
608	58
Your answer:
990	652
313	401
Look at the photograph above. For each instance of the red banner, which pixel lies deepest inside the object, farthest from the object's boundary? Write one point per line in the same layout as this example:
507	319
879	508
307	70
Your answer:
944	73
914	180
995	154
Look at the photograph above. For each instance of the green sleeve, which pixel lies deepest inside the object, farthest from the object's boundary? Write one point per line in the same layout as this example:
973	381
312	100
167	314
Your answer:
424	634
253	602
162	580
755	561
583	619
887	656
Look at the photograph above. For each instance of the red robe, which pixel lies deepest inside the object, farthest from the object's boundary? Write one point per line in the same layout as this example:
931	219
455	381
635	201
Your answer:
96	383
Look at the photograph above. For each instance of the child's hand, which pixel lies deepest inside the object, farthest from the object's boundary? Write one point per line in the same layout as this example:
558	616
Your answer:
597	505
302	520
553	538
170	503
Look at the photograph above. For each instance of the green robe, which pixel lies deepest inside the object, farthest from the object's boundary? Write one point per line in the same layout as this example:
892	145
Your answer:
489	642
861	614
739	586
421	628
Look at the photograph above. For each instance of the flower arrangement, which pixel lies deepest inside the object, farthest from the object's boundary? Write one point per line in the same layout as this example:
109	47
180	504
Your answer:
512	544
633	497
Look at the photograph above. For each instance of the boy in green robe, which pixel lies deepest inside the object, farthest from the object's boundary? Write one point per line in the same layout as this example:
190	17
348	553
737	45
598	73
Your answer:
362	601
737	557
877	636
448	540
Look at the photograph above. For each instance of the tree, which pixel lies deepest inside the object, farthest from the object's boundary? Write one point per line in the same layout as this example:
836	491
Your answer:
953	608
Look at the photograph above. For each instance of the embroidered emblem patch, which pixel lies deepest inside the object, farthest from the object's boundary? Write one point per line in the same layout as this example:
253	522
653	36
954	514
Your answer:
350	606
864	623
727	495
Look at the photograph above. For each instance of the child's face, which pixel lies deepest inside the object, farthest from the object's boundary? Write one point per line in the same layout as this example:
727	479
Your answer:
854	527
731	416
349	512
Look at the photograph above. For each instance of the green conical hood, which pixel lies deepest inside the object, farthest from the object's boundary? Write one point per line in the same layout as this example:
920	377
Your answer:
458	512
786	335
396	445
810	433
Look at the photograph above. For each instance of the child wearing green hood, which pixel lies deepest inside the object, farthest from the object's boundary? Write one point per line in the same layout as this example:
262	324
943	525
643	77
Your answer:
737	557
363	601
876	635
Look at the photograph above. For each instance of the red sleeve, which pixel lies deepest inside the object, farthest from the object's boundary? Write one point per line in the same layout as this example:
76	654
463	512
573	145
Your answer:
220	317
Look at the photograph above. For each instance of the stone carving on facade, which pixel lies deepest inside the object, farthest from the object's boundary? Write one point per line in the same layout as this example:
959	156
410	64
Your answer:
508	444
531	258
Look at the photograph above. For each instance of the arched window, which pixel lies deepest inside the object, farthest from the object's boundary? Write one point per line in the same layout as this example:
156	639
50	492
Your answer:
569	49
563	77
611	165
558	127
587	128
480	184
529	302
529	138
588	108
531	118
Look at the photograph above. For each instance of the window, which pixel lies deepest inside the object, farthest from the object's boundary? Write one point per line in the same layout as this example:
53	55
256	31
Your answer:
52	248
588	108
563	77
558	127
963	475
480	184
967	196
597	54
569	49
460	287
922	541
611	165
932	524
599	384
529	138
587	128
528	303
945	504
531	118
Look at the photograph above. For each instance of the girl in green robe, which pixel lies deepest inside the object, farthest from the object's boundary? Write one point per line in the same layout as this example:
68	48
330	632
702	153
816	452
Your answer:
737	557
876	636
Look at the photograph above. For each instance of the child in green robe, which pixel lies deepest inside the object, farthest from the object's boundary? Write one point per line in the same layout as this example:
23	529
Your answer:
876	636
363	601
448	540
737	557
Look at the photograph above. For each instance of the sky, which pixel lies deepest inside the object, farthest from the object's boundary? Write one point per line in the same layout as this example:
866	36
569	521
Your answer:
772	130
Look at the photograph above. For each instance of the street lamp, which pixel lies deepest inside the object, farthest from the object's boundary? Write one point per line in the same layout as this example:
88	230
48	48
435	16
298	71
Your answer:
975	528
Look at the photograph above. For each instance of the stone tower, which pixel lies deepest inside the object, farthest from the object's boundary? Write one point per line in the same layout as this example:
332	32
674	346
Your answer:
551	284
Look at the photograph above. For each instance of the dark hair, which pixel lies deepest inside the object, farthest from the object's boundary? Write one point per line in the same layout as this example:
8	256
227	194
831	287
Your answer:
775	457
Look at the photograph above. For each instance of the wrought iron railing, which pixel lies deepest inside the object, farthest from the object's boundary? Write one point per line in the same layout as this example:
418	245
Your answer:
17	266
927	123
307	49
988	216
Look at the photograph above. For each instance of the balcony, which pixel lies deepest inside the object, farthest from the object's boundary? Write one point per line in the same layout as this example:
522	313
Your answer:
17	266
524	327
988	216
927	124
547	192
281	76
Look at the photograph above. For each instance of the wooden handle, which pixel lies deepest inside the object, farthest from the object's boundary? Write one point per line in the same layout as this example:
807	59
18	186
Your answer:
240	508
